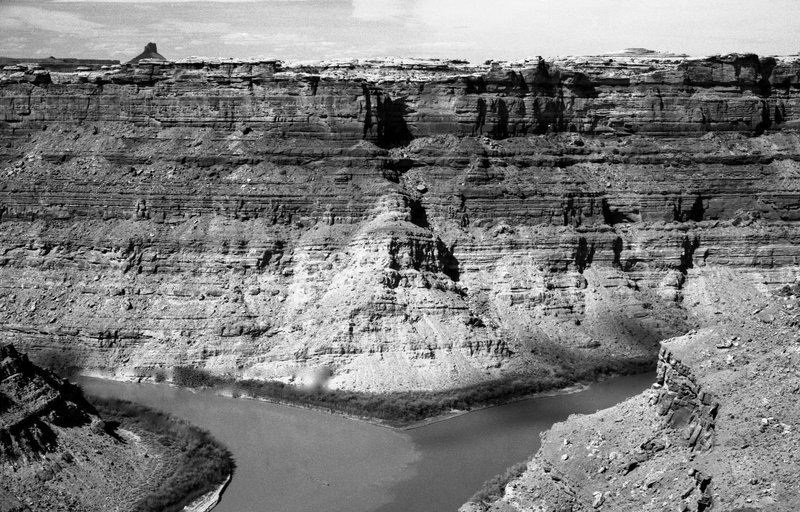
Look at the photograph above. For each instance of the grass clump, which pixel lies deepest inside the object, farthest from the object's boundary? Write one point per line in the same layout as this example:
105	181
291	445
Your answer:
494	488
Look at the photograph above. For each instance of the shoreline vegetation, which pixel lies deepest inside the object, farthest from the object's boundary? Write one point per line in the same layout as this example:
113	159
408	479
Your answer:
203	465
493	489
408	409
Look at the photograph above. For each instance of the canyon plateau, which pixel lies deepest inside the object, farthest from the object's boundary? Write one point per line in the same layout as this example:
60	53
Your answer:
387	225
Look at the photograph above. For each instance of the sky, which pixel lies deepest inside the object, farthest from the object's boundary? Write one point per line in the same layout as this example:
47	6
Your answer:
476	30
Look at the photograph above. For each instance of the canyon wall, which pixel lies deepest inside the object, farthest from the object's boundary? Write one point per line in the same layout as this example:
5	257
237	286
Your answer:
718	430
387	225
56	454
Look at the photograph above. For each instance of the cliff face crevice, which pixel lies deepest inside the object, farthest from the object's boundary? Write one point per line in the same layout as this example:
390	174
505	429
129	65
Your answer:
683	402
404	225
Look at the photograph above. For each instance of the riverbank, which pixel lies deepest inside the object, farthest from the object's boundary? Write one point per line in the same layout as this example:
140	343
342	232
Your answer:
226	393
402	410
209	500
196	467
407	410
576	388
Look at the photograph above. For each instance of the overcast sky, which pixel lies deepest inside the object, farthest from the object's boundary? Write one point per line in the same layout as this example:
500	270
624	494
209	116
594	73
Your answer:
476	30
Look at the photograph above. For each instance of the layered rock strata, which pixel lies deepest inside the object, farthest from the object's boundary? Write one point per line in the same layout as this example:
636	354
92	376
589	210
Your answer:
719	430
397	225
31	401
57	454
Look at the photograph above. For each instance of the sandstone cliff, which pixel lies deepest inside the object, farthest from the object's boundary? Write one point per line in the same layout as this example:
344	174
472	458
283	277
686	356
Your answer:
399	225
719	430
58	454
30	401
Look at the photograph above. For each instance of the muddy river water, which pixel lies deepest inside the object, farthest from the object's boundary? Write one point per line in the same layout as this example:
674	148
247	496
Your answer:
290	459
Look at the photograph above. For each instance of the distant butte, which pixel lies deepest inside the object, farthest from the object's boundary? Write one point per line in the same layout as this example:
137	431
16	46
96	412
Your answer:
150	53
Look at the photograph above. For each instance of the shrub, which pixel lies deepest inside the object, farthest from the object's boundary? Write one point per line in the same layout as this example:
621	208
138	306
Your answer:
493	488
193	377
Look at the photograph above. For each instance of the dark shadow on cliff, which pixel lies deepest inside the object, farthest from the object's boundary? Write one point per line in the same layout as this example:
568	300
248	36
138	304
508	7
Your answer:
392	127
393	168
110	428
27	438
687	256
447	261
584	254
694	213
766	120
480	118
419	215
613	216
5	403
548	115
450	264
583	87
500	129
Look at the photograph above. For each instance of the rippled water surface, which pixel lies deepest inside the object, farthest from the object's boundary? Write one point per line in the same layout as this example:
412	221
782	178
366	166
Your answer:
297	460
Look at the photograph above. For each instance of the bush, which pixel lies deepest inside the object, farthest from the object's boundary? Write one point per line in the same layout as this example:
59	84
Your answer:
192	377
493	488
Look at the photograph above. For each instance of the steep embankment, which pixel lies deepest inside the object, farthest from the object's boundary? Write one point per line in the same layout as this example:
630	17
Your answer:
720	430
57	454
399	225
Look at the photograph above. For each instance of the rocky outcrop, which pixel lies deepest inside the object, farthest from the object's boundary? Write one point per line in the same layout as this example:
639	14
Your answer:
49	64
683	402
718	430
31	402
209	500
53	443
58	454
395	102
398	225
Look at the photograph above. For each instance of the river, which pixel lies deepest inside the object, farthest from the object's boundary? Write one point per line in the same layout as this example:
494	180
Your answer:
290	459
